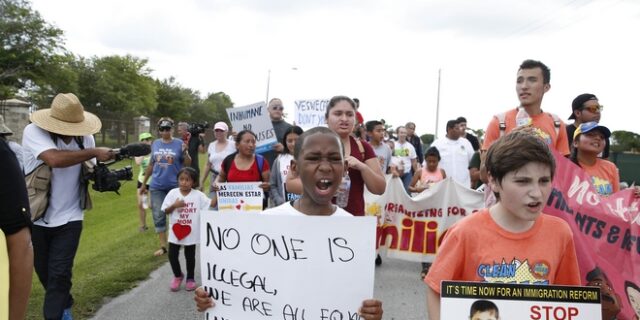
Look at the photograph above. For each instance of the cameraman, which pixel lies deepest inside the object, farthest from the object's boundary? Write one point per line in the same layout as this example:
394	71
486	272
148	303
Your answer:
194	142
61	137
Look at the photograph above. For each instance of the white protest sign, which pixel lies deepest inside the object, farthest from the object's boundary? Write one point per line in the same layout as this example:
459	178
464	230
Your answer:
310	113
254	117
239	197
463	300
264	266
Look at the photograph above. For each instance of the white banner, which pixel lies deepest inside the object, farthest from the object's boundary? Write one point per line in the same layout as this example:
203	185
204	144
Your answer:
240	197
477	300
412	228
254	117
259	266
310	113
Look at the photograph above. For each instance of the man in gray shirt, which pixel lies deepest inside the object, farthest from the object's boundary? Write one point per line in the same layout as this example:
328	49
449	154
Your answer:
276	109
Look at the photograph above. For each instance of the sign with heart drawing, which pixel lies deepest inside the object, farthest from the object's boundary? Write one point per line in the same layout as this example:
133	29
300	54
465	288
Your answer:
240	197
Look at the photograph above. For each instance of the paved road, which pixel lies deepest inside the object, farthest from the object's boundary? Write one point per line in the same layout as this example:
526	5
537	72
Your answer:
397	284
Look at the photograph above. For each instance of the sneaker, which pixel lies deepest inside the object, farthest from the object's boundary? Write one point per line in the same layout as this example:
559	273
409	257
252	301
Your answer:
66	314
191	285
175	283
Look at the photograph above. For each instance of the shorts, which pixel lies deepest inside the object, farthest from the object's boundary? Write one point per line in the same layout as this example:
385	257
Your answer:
159	217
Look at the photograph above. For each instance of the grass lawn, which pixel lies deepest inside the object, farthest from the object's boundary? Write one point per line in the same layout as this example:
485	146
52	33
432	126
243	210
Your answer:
113	255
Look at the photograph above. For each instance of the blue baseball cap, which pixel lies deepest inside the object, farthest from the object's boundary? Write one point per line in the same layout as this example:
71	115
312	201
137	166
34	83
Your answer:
590	126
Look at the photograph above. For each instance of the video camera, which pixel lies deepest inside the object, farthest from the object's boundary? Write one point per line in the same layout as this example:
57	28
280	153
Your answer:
109	180
197	128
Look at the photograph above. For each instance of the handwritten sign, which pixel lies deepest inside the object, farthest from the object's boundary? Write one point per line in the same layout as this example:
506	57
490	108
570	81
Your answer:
463	300
310	113
240	197
260	266
254	117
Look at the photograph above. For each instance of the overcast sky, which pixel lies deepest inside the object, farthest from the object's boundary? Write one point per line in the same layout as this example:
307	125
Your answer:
386	53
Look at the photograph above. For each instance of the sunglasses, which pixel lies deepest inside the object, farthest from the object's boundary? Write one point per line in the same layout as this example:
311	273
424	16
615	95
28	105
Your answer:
594	109
277	108
161	129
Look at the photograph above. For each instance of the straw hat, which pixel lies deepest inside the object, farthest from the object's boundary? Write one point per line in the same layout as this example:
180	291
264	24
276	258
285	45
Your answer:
66	117
4	130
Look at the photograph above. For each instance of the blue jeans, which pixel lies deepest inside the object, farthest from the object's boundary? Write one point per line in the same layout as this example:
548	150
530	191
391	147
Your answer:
159	217
406	181
54	250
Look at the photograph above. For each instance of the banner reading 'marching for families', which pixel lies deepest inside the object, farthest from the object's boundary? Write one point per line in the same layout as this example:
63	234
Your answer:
262	266
254	117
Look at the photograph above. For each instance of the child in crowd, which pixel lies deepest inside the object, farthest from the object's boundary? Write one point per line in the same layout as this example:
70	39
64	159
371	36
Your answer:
320	163
184	205
589	140
281	165
430	174
484	310
375	131
423	179
143	202
520	170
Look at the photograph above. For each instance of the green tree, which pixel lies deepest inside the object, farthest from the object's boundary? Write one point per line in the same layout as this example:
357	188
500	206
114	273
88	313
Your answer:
427	139
214	108
29	47
117	86
174	100
625	141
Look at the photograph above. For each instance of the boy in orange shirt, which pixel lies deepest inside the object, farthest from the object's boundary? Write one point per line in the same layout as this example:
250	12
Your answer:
510	242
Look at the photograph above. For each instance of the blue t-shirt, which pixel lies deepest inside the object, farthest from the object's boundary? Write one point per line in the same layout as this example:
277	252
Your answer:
166	160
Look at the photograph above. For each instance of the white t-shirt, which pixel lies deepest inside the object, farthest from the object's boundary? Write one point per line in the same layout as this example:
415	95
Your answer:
216	158
184	224
406	152
286	209
64	202
455	157
284	159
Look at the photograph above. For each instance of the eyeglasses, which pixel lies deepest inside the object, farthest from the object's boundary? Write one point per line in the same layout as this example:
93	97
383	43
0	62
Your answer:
594	109
164	129
277	107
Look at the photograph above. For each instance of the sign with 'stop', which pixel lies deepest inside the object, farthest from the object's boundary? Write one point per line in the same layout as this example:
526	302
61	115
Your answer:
261	266
481	300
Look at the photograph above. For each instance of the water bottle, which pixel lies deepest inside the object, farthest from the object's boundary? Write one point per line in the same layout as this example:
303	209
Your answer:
522	118
342	196
145	202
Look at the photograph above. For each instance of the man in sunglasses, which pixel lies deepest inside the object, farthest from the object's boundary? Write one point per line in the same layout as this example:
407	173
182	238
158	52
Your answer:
585	108
276	110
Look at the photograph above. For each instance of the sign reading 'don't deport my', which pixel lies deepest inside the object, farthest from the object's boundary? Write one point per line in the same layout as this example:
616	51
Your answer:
264	266
464	300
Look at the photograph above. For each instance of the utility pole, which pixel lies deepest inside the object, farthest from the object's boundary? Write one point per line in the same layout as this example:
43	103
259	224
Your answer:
435	136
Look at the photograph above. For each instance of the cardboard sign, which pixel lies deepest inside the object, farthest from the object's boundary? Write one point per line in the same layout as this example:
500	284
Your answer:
412	228
262	266
240	197
463	300
254	117
310	113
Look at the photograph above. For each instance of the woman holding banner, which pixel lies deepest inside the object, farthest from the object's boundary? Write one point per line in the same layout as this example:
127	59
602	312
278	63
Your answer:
245	165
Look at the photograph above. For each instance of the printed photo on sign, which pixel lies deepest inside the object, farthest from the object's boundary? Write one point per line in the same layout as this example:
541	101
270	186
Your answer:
254	117
310	113
240	197
260	266
494	301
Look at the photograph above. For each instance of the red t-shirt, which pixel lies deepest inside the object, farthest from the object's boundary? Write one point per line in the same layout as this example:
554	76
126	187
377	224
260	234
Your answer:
250	175
356	193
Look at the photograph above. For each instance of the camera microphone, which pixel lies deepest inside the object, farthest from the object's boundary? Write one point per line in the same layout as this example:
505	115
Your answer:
133	150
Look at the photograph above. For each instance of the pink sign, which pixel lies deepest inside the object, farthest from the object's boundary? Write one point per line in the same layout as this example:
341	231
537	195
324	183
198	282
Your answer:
607	236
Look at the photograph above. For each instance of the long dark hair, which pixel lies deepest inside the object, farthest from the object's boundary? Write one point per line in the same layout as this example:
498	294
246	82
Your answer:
293	129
